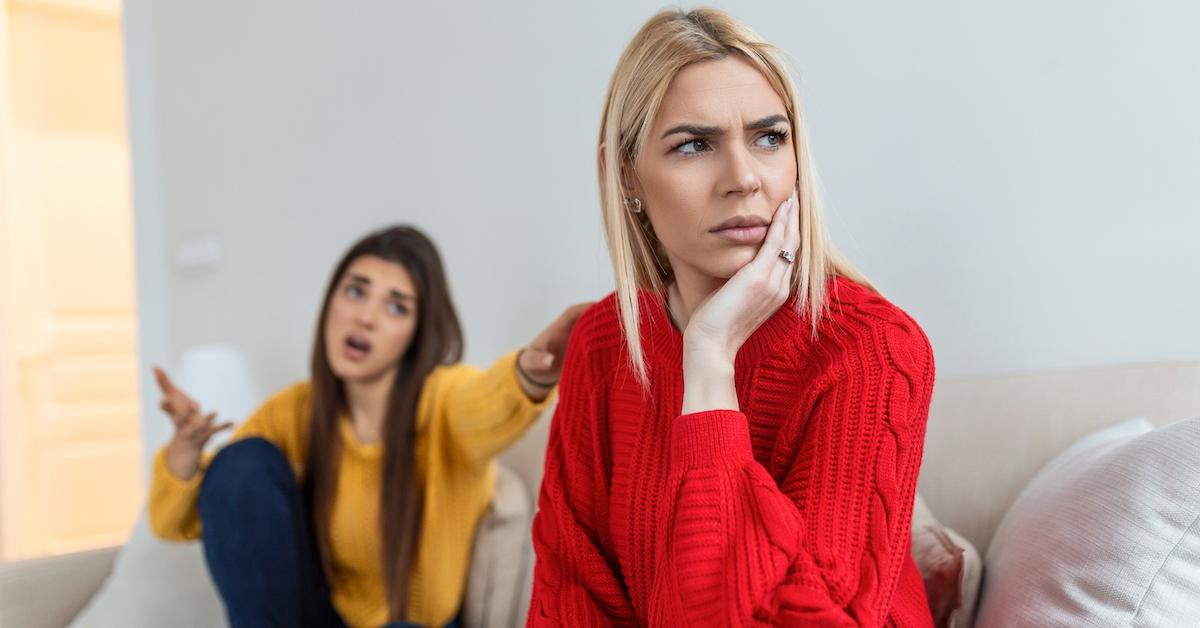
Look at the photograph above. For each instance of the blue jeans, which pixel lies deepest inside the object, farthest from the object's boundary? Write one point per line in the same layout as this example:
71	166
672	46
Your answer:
259	544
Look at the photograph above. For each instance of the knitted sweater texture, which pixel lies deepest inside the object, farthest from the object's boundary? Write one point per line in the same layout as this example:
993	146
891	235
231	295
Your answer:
794	509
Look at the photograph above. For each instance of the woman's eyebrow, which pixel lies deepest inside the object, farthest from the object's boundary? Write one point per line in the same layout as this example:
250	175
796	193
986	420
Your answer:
697	129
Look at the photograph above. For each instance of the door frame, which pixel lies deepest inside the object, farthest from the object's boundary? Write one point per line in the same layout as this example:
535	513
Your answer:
150	217
11	455
151	258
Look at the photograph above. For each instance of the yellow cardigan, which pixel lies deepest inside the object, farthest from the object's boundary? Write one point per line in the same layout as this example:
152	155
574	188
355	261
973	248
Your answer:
465	416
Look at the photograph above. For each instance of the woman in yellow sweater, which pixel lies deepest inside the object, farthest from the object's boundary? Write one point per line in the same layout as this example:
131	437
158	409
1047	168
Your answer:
352	498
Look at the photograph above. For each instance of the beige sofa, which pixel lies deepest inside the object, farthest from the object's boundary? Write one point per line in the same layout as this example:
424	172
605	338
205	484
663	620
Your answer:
987	437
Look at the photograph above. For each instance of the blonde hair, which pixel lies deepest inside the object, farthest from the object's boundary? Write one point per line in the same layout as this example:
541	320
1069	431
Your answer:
667	43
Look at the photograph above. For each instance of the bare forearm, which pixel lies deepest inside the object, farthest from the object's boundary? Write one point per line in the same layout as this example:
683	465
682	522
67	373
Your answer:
183	459
707	381
536	393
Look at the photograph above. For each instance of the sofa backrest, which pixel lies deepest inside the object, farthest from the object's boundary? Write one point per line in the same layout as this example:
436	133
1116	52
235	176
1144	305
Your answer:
987	436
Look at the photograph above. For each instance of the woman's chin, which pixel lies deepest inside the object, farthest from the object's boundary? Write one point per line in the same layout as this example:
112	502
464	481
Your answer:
725	264
352	373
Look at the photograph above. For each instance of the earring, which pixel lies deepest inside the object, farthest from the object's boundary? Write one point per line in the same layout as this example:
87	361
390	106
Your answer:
637	205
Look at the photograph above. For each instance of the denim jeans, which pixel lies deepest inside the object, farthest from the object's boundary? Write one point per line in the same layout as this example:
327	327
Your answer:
259	544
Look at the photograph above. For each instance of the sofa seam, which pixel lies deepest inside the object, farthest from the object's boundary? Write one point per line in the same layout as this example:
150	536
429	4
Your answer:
1157	572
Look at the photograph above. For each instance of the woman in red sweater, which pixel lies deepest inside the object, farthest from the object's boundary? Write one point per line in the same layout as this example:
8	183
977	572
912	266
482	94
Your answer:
740	425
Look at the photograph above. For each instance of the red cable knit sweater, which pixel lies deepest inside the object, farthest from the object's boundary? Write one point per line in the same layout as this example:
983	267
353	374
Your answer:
794	511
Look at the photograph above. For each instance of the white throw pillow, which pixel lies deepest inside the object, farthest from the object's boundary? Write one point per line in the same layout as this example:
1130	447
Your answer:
1106	534
155	583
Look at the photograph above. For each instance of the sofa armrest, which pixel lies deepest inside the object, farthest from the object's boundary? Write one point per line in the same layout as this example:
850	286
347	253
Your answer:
49	592
496	596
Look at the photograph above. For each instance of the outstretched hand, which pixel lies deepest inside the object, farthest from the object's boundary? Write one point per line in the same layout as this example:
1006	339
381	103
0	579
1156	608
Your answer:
193	428
541	361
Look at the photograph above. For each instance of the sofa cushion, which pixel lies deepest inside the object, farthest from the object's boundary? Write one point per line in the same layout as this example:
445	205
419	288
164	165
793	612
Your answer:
155	583
950	566
1106	534
989	434
501	559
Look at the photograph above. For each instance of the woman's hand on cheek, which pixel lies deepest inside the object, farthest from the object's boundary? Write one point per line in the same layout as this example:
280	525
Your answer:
723	321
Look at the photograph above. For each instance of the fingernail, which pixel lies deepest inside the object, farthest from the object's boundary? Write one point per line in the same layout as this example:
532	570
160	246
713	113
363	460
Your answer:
549	361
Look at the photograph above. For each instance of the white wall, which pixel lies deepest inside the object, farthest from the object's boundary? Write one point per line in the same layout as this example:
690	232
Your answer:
1020	177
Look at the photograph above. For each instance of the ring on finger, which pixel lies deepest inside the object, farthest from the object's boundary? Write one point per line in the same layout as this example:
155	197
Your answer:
787	256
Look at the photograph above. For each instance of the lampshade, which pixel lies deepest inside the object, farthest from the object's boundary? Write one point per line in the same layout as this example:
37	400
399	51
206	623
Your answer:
219	378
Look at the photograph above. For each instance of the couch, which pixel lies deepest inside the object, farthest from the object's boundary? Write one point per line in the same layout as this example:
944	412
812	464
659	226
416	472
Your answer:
987	437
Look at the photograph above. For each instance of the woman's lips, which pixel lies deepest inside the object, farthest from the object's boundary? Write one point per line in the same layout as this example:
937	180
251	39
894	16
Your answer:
742	235
356	348
742	229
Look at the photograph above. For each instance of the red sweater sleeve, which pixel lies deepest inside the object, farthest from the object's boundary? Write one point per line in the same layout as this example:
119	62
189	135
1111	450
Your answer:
742	550
575	583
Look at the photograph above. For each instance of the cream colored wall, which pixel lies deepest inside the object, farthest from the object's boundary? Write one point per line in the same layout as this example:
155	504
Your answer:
70	424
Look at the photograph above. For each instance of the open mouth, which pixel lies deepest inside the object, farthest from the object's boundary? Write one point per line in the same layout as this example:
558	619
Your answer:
357	347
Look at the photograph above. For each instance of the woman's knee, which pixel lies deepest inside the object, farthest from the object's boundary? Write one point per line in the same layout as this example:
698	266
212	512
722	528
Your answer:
243	472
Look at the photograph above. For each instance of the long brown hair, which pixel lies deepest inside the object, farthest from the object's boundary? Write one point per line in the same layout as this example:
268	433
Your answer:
437	340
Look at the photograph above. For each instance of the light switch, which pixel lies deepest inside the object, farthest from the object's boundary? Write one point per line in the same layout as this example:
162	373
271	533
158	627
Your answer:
198	256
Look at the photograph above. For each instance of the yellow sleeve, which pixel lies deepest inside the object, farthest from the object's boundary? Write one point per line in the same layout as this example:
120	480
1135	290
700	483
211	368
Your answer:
484	411
282	420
